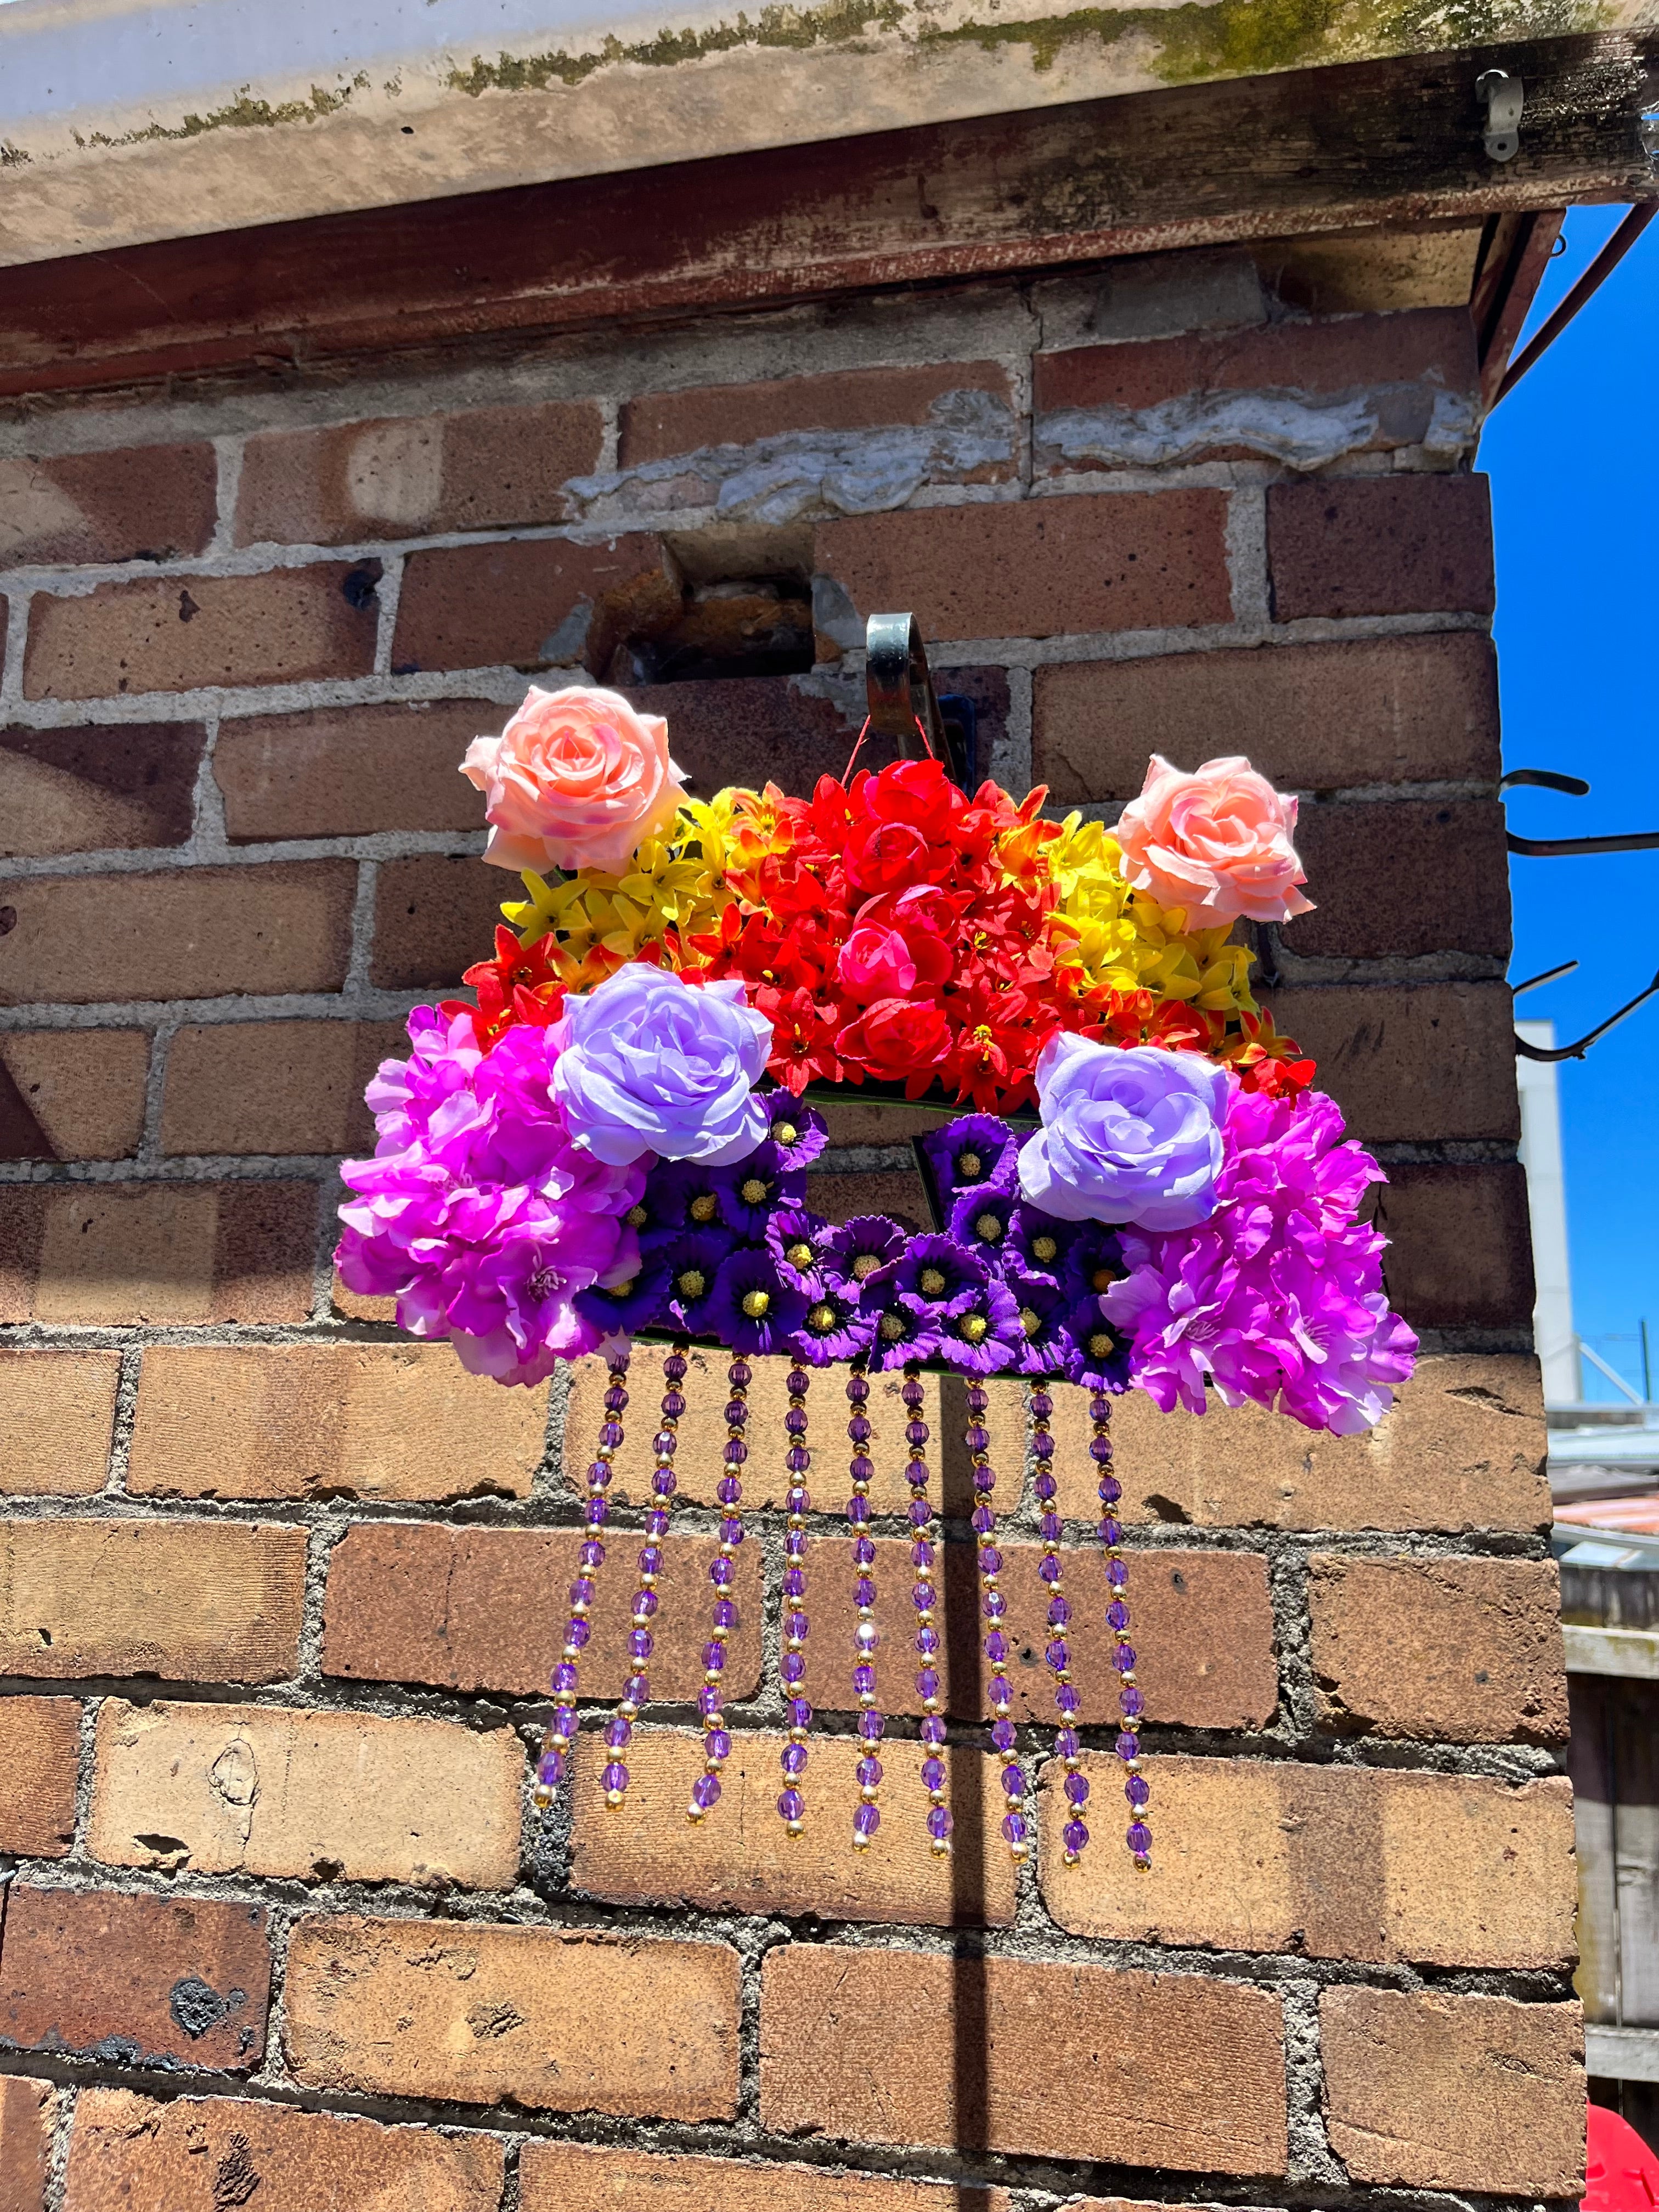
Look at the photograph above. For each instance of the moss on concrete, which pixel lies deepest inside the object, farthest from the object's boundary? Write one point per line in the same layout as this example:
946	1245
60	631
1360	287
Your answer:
242	114
838	22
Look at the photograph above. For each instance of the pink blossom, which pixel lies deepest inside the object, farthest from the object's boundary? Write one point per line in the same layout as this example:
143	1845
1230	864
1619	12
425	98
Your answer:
1215	843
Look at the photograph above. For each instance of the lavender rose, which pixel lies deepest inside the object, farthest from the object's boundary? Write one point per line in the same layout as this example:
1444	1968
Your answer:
650	1064
1130	1136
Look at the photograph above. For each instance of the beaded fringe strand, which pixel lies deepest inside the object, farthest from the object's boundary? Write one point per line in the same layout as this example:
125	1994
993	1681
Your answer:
551	1767
619	1730
1131	1702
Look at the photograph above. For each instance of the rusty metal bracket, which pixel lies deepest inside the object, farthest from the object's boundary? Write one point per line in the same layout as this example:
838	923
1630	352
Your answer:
902	702
1504	96
1553	848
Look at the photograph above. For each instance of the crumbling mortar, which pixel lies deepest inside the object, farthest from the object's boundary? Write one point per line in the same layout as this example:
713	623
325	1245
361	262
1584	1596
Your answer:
126	1414
388	594
1246	557
228	453
1311	2159
65	2100
17	599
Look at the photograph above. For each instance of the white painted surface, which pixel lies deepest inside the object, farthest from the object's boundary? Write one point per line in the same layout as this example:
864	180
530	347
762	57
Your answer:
1547	1199
1632	1653
1621	2054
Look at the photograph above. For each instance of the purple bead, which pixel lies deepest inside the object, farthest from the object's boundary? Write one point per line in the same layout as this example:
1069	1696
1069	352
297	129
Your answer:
1048	1570
717	1744
995	1605
792	1666
857	1389
1128	1745
1042	1405
913	1394
926	1640
869	1773
1130	1701
615	1400
795	1543
861	1469
920	1513
550	1769
996	1647
871	1726
932	1728
1139	1838
976	1439
1076	1788
674	1367
731	1532
1057	1655
1045	1486
709	1701
1000	1692
940	1823
664	1443
598	1513
1117	1573
864	1551
1042	1445
794	1421
619	1733
859	1430
564	1675
791	1805
928	1682
1137	1789
641	1643
977	1400
722	1572
736	1452
725	1613
797	1501
577	1633
615	1776
1100	1450
637	1690
610	1433
798	1461
651	1559
916	1434
1048	1528
864	1591
924	1597
1117	1615
799	1713
795	1624
1110	1531
598	1474
740	1375
728	1490
1124	1658
645	1601
985	1480
662	1482
857	1512
916	1474
984	1519
864	1682
798	1382
591	1554
793	1759
713	1656
1060	1612
990	1560
1110	1490
736	1413
1066	1744
705	1791
1074	1835
673	1405
1002	1734
933	1774
1013	1827
866	1820
1013	1781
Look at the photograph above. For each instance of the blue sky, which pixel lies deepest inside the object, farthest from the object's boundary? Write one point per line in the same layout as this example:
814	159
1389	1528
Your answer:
1574	463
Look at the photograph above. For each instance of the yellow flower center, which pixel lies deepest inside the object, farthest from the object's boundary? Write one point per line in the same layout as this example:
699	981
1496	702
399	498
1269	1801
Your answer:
969	1166
865	1266
1043	1249
785	1134
1102	1345
891	1328
932	1282
623	1289
821	1320
691	1283
800	1255
757	1304
1030	1319
975	1327
752	1191
989	1228
1103	1278
705	1206
636	1217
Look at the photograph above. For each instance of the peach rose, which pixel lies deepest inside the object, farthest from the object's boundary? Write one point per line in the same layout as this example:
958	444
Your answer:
1215	843
576	779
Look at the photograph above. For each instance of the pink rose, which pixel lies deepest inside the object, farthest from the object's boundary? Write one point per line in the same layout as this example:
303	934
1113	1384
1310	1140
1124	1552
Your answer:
875	963
1215	843
576	779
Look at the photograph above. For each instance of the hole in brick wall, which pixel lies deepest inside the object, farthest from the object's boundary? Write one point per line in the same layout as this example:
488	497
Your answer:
744	608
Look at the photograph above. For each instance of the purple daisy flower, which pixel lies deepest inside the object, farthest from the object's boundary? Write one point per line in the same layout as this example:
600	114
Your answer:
626	1308
694	1266
752	1309
797	1237
1038	1244
758	1186
937	1275
1094	1261
691	1198
976	1149
837	1327
861	1248
1101	1347
979	1222
798	1134
1042	1307
900	1332
982	1335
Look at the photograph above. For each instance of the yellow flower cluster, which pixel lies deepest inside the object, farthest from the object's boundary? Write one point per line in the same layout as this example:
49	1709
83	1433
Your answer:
1123	942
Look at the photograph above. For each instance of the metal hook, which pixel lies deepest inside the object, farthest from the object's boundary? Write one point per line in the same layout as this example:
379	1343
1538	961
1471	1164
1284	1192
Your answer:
1553	848
1577	1051
899	693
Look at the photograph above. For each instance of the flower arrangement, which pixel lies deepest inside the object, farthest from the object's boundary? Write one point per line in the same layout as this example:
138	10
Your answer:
612	1140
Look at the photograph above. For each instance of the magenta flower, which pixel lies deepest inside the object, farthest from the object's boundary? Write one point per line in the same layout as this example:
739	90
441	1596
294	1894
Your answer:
479	1214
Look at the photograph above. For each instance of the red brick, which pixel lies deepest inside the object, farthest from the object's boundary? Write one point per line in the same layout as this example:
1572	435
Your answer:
274	1087
72	1094
1441	2092
117	786
664	424
525	604
349	771
490	468
1195	2083
1460	1248
186	933
1039	567
556	2020
1255	1855
385	1421
1462	1651
209	2154
1404	877
288	626
183	1601
117	1253
750	730
40	1758
433	918
1381	545
1373	1044
1311	717
139	503
57	1411
26	2123
571	2177
469	1609
1432	343
159	1980
1203	1632
742	1859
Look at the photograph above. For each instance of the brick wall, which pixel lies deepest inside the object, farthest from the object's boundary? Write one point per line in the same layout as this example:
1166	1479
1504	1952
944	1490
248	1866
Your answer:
276	1609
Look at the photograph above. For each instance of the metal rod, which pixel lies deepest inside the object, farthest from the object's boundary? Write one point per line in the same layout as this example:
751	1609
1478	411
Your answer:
1548	976
1555	848
1611	1373
1585	290
1647	1365
1577	1051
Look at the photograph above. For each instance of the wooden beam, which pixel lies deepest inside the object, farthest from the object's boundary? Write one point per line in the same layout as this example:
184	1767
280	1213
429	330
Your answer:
1317	151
